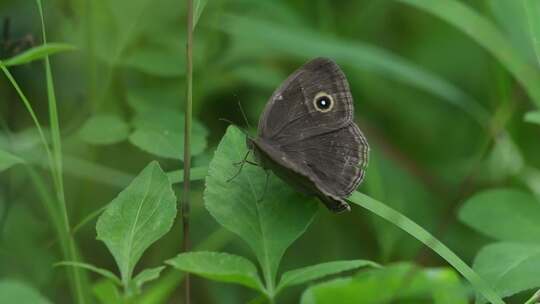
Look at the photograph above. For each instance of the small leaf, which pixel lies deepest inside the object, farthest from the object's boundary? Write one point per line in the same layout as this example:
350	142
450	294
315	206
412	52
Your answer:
140	215
38	52
509	267
107	292
393	284
104	272
532	117
146	275
104	130
17	292
7	160
503	214
314	272
219	266
269	225
161	132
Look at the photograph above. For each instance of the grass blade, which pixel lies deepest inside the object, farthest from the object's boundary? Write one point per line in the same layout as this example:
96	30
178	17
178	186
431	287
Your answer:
70	251
429	240
532	8
307	44
38	52
485	33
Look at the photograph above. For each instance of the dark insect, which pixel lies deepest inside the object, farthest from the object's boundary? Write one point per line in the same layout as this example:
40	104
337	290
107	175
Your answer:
307	135
9	47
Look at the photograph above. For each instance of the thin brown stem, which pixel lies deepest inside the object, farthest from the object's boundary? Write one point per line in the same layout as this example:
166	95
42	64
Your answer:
187	142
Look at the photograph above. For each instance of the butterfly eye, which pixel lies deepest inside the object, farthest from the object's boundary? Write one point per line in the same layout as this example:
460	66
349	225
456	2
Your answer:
323	102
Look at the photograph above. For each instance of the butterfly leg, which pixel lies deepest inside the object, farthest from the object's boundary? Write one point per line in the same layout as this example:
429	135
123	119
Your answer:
241	164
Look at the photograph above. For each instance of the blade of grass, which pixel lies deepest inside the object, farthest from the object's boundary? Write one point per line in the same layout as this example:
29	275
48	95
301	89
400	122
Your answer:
429	240
532	8
485	33
57	163
187	141
307	44
37	53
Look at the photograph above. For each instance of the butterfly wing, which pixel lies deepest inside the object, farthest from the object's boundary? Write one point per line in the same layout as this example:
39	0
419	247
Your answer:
325	150
290	114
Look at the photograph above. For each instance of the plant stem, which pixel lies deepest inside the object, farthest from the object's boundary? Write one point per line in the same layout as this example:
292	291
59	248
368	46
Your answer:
187	139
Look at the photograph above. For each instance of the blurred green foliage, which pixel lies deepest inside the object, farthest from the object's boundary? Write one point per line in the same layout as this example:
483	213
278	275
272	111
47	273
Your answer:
446	92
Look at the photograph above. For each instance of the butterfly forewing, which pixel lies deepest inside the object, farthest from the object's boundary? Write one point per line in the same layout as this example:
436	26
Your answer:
290	113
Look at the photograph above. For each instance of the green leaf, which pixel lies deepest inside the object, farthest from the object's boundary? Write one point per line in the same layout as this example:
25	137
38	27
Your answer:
505	160
509	267
269	225
8	160
314	272
532	9
512	18
38	52
145	276
483	31
160	132
140	215
107	292
17	292
393	284
104	272
104	129
503	214
365	57
427	239
219	266
532	117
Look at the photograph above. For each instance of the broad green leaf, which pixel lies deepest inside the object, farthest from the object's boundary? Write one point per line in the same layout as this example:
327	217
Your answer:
140	215
484	32
393	284
269	225
38	52
307	44
17	292
145	276
533	117
104	272
104	129
314	272
219	266
427	239
161	132
107	292
7	160
509	267
503	214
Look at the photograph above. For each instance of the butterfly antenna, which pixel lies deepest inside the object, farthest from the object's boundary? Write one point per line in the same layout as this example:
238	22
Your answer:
244	114
237	126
